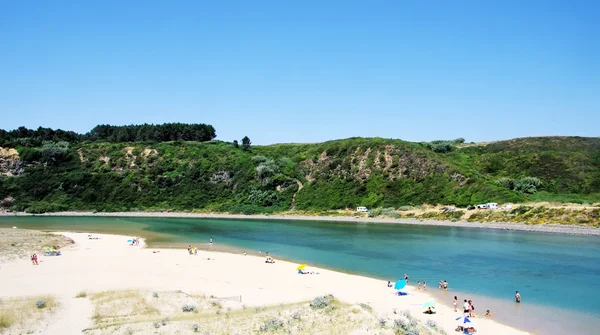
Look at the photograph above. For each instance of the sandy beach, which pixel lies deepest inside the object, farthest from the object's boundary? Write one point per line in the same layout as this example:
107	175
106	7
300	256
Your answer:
109	263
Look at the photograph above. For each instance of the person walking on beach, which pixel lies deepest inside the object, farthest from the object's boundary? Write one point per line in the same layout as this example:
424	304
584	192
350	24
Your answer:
466	308
34	259
418	285
445	285
455	303
425	286
517	297
471	308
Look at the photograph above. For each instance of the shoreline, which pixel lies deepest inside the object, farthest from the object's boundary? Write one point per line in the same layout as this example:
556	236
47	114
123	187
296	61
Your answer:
541	228
226	274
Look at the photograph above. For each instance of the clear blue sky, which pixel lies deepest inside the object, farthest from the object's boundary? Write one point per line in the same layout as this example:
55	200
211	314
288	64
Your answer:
305	71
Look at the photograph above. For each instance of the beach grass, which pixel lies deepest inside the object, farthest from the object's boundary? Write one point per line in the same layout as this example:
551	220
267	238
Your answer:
323	315
24	311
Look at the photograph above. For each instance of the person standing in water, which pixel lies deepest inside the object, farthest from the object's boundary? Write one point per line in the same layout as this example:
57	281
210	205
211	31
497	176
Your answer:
425	285
517	297
445	285
211	240
418	285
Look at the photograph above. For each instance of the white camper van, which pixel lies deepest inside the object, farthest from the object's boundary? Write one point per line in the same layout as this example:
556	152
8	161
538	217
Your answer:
492	205
362	209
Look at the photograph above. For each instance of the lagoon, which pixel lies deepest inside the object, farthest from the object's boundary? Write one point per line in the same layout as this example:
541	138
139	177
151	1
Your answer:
554	273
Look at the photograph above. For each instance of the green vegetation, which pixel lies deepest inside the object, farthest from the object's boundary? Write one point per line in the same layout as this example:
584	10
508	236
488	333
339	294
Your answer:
96	175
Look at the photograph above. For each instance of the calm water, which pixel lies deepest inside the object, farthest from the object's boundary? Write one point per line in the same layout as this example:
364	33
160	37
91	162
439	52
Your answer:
554	273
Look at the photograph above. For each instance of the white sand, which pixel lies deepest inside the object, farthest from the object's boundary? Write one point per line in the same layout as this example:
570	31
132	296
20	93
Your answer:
109	263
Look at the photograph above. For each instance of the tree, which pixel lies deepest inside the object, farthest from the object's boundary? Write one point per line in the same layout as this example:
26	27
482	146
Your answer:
235	144
246	143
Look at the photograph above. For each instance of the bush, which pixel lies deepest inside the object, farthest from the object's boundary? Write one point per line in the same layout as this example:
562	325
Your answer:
382	322
321	302
366	307
164	321
40	304
432	324
155	294
388	212
195	328
129	331
54	152
528	185
506	183
156	324
188	308
296	316
272	325
81	294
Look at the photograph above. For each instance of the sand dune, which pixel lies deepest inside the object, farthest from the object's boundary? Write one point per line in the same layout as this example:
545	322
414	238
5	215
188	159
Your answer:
110	264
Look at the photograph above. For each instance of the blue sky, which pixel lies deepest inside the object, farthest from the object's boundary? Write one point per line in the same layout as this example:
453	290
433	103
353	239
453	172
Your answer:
305	71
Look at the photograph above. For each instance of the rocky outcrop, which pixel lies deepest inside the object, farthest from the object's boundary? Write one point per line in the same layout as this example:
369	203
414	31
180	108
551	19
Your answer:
10	164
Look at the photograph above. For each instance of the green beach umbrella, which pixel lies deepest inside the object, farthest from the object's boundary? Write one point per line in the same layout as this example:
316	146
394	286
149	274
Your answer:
429	304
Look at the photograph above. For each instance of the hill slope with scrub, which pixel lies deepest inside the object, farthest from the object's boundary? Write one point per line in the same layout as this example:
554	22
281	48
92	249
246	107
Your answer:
218	176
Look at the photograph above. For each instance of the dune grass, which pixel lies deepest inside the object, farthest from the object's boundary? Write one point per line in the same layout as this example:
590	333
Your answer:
17	311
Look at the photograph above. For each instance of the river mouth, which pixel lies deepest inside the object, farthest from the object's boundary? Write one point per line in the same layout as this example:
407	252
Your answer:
554	273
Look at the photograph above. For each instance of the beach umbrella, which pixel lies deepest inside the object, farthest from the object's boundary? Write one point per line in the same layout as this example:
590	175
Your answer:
129	241
429	304
400	284
301	266
465	321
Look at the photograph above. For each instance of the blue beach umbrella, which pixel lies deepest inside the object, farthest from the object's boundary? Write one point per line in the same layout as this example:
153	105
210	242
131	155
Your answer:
129	240
400	284
464	320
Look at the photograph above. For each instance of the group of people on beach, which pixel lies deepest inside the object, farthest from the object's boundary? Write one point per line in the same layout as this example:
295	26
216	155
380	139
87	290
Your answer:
442	285
135	241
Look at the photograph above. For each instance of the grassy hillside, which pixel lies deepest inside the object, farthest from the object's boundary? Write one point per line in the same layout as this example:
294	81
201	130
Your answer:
338	174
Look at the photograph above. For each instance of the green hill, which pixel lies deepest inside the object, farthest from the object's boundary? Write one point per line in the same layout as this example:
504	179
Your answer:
181	175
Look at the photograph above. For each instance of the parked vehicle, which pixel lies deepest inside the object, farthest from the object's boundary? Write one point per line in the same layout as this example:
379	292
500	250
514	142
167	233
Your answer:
470	208
482	206
449	208
362	209
492	205
506	207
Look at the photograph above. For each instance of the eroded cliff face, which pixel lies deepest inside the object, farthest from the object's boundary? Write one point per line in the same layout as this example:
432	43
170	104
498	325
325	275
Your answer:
10	164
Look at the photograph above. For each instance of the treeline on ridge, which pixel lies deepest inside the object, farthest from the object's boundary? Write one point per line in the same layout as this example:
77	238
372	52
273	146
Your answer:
24	137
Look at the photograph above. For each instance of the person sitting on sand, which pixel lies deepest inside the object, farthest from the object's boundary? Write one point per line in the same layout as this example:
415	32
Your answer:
429	311
487	313
389	283
270	260
302	272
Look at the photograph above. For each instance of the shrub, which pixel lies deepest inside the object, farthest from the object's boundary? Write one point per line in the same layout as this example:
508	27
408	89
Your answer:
155	294
506	183
81	294
273	324
218	312
432	324
129	331
188	308
405	208
164	321
321	302
389	212
156	324
216	304
40	304
195	328
528	185
382	322
54	152
296	316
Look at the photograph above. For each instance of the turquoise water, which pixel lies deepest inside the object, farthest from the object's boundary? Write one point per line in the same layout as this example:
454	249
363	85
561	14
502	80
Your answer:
557	271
